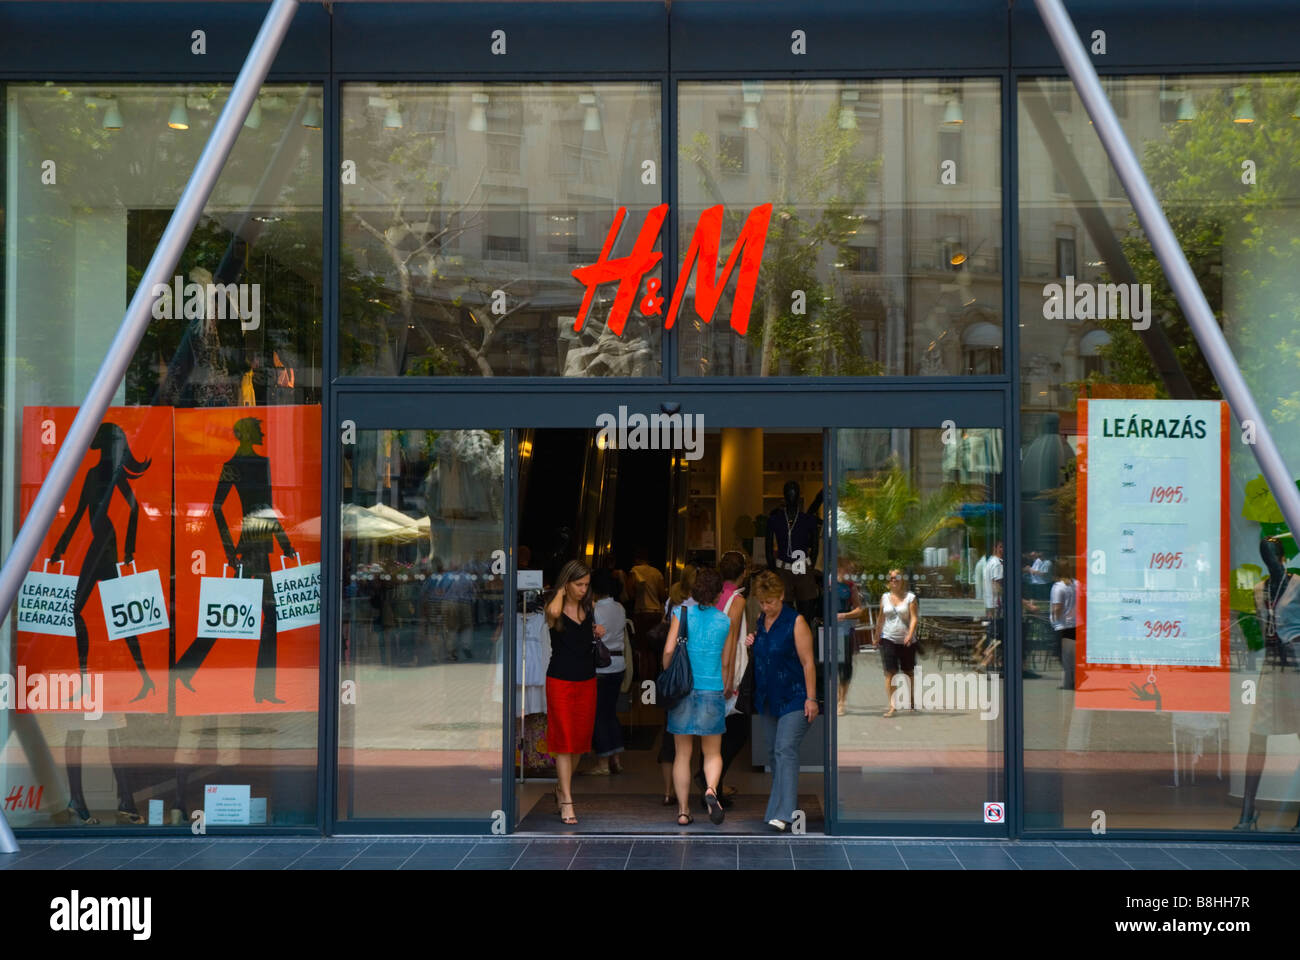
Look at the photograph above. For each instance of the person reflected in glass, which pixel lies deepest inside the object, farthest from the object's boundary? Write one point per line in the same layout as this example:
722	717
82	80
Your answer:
1061	612
784	680
117	466
896	637
1277	697
607	736
850	613
570	678
249	474
710	646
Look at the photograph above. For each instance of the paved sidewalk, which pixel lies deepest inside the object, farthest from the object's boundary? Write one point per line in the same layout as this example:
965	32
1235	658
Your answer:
603	853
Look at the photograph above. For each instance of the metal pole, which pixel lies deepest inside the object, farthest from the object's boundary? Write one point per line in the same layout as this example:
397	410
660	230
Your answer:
1179	273
140	311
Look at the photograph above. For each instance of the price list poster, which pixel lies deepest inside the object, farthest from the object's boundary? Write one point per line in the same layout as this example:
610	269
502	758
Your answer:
1153	613
120	500
260	467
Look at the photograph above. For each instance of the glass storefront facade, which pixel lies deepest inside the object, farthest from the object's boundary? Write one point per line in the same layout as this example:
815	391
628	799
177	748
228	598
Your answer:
296	578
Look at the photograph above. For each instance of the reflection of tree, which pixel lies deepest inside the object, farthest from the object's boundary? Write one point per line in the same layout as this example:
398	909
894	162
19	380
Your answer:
817	164
1222	223
886	522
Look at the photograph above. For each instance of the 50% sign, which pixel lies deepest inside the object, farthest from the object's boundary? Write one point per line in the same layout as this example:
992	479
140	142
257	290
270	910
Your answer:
230	607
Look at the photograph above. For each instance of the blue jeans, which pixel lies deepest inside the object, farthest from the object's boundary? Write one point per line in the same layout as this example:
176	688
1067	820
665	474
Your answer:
784	734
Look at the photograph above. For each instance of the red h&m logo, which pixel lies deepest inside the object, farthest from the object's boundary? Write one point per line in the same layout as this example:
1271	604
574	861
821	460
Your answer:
701	256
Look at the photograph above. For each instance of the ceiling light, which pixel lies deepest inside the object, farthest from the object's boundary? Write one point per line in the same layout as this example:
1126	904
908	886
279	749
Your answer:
478	112
180	118
1245	112
254	118
952	115
311	117
591	117
848	112
112	116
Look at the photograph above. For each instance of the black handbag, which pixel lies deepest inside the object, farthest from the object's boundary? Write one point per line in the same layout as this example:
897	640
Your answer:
601	652
676	681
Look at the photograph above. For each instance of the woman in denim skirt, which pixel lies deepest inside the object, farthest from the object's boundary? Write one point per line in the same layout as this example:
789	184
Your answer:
702	713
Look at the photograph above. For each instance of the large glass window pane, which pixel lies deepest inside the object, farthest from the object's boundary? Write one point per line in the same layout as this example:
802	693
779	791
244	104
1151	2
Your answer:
423	607
472	204
1167	698
178	623
883	254
920	590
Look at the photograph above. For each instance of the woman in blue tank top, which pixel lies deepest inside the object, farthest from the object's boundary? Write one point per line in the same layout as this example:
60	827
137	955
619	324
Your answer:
784	678
711	649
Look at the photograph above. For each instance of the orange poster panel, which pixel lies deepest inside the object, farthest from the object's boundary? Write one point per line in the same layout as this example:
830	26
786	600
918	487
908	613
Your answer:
247	559
1153	680
112	533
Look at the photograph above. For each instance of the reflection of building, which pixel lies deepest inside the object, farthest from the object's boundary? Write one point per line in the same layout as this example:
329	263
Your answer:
918	216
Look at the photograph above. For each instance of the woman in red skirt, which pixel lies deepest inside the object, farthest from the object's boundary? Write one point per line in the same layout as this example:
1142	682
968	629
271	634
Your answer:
571	678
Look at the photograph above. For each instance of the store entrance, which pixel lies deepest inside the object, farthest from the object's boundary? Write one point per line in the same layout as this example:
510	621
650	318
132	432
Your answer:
645	520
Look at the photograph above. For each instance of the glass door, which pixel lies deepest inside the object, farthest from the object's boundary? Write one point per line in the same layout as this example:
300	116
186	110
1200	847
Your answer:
920	594
423	595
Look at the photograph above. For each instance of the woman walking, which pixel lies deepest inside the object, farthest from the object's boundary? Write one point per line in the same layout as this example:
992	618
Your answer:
570	678
896	637
711	648
784	678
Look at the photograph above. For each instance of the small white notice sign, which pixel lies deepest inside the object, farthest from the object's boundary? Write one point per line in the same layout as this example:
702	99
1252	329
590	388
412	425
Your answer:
226	804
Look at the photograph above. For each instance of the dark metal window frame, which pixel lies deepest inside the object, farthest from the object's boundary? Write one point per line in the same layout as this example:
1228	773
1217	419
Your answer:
74	42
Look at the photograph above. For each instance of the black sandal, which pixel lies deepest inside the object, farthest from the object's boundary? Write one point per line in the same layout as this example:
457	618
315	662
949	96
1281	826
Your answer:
716	813
689	819
572	819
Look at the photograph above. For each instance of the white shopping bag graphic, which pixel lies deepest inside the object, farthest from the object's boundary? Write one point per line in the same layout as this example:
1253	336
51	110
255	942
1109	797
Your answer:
297	595
45	602
230	608
133	604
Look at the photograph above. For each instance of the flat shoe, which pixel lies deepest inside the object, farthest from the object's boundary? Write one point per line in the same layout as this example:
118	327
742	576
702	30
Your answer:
598	772
778	824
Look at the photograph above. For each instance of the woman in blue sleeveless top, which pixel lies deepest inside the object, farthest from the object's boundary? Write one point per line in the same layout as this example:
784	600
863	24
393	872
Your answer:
711	649
784	673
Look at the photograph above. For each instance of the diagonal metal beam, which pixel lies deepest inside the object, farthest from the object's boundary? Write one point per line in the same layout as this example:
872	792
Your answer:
1214	346
140	311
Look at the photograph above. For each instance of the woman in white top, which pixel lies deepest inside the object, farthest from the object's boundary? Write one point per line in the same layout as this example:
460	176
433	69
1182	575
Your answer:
1065	593
896	637
607	735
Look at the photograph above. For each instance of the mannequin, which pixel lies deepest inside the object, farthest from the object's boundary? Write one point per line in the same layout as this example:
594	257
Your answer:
790	530
1277	707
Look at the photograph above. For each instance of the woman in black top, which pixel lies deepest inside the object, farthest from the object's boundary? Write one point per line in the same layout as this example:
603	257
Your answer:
571	677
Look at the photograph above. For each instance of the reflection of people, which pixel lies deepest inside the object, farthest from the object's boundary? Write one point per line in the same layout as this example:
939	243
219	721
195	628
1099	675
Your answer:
896	637
115	468
1064	596
607	736
785	678
1277	700
570	677
849	613
994	584
702	712
250	474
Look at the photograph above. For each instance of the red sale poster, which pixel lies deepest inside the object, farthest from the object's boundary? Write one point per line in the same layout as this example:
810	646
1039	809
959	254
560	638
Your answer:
247	555
95	603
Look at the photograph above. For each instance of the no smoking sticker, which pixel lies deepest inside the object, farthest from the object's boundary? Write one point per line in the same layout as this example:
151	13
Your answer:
994	813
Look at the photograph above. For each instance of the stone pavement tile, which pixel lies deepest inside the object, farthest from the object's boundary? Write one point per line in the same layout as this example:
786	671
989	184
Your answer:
1195	859
1261	860
985	858
924	851
374	863
1039	858
1093	858
149	863
320	863
598	863
540	863
869	865
1146	857
605	849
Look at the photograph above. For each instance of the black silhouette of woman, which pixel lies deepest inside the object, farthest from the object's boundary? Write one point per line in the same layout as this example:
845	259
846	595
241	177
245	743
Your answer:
250	474
116	467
